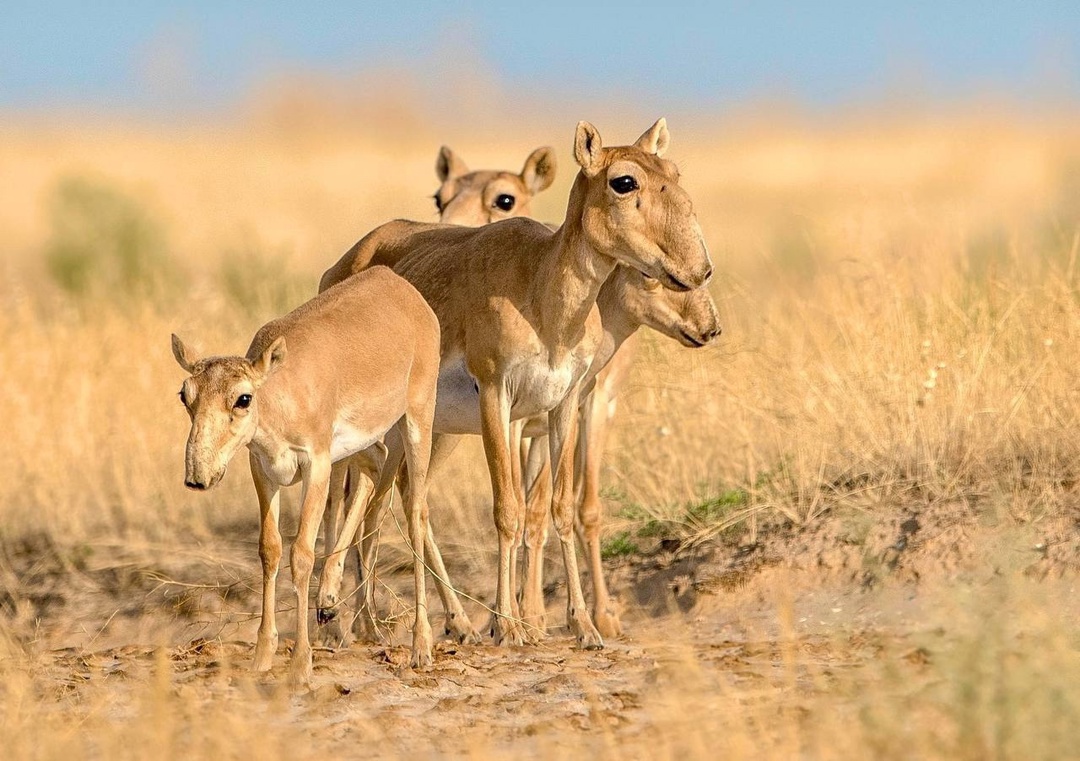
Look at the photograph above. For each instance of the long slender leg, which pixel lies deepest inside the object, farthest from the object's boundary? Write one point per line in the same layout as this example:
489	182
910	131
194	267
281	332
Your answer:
537	510
327	632
316	475
516	470
458	624
366	625
363	468
596	413
562	434
415	430
335	505
508	511
270	556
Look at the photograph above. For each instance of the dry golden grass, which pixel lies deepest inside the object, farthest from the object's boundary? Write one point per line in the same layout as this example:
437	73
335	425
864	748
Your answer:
901	326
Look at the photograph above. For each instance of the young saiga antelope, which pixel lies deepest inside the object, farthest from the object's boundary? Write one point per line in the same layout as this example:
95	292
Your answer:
320	384
516	303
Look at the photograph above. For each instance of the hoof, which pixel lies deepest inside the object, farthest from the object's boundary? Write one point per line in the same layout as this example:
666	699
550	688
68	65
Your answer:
590	644
422	659
325	615
300	672
588	638
507	632
461	629
608	623
264	654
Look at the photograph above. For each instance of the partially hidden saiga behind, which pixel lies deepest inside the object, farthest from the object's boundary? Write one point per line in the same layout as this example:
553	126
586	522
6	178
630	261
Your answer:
474	198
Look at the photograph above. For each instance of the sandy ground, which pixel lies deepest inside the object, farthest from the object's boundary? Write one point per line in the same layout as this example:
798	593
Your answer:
777	617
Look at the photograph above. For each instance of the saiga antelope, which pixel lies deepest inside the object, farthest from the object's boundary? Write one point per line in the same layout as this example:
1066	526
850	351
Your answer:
464	197
320	384
627	302
517	307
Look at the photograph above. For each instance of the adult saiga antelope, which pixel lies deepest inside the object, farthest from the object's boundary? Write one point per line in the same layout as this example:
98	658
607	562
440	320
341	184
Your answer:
362	357
628	301
464	197
516	303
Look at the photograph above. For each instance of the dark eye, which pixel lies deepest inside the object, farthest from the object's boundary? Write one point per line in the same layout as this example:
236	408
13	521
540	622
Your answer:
183	397
242	402
438	203
504	201
624	184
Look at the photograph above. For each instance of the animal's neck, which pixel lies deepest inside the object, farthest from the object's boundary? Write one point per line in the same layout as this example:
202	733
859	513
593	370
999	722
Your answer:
265	441
618	323
570	276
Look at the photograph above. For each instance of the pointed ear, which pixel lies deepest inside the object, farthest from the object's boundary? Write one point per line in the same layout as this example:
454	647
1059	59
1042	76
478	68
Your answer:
655	139
539	170
272	358
587	148
448	165
183	354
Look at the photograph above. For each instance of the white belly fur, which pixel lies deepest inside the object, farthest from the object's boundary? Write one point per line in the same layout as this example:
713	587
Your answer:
457	405
348	440
534	386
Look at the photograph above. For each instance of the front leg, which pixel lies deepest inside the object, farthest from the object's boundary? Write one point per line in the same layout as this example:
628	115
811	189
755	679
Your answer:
270	557
562	433
508	511
316	479
595	415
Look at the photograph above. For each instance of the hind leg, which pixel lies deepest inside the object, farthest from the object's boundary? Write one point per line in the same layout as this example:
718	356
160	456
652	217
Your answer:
537	506
415	428
458	624
562	440
363	468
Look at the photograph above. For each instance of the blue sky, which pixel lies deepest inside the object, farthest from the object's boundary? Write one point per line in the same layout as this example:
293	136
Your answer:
162	56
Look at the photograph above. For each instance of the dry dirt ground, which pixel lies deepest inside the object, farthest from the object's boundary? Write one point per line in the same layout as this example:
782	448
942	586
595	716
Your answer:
794	615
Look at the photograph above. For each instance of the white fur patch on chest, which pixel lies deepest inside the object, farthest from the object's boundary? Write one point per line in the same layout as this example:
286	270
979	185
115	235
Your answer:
537	387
